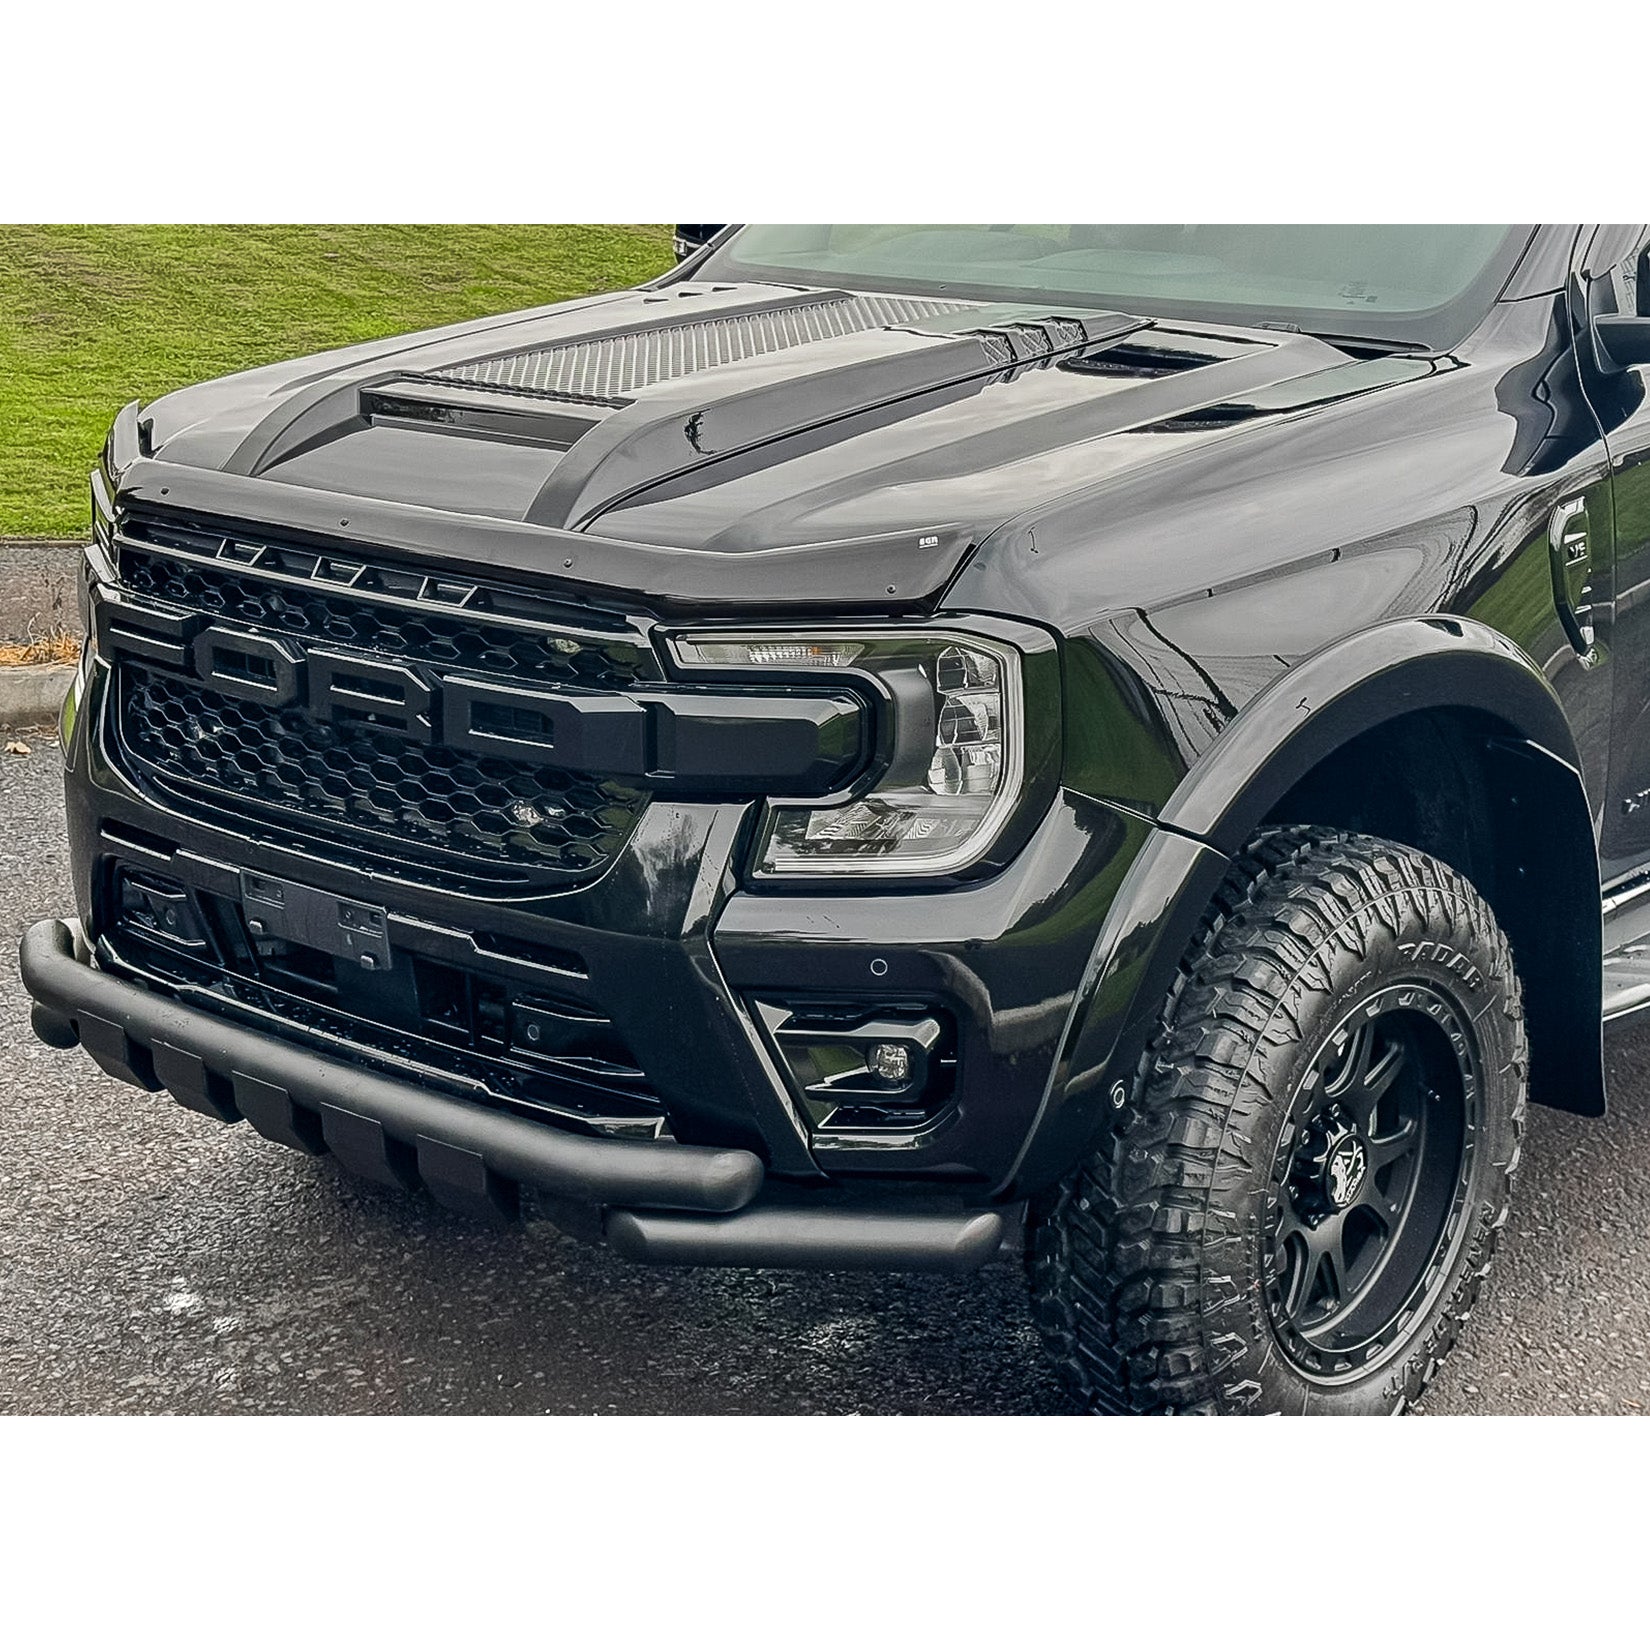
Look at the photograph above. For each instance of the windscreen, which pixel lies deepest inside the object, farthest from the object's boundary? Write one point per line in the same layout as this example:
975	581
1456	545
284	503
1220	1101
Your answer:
1424	284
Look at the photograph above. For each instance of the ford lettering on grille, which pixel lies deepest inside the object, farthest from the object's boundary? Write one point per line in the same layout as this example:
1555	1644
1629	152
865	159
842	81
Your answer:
687	739
460	746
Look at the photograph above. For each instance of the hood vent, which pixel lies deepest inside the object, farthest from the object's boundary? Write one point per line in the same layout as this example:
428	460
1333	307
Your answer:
1222	415
605	371
472	411
1315	389
1140	359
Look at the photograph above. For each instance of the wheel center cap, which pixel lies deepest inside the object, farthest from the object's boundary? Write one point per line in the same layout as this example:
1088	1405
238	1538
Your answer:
1344	1173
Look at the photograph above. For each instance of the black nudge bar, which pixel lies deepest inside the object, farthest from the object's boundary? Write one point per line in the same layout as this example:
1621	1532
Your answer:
668	1203
383	1127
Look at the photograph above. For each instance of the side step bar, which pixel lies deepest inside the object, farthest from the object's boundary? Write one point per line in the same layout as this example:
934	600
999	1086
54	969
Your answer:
372	1122
1627	951
1626	983
829	1239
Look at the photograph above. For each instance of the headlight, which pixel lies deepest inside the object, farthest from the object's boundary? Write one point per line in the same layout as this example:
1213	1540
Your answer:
950	768
97	563
70	711
103	493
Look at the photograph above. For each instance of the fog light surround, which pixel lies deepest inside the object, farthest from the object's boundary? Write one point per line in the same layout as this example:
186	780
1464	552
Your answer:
858	1067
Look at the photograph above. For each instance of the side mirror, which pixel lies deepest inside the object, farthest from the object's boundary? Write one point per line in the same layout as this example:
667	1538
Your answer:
689	237
1622	341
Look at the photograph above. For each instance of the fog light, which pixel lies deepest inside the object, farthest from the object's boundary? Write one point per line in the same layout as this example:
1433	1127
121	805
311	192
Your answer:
891	1062
859	1067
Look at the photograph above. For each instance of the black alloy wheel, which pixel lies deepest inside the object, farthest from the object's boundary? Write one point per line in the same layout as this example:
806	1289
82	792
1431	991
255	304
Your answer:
1370	1180
1295	1205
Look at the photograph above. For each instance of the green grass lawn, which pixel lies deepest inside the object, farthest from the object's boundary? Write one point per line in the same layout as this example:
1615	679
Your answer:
91	316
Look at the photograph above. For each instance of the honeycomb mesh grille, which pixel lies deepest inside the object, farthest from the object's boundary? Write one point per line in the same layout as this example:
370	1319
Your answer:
282	605
446	810
606	370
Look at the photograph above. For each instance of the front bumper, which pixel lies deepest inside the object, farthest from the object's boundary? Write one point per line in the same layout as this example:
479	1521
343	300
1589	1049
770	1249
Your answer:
468	1157
682	960
388	1130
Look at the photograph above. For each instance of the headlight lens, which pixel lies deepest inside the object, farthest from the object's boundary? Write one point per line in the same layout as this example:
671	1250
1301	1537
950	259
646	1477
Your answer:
97	565
69	714
103	526
951	773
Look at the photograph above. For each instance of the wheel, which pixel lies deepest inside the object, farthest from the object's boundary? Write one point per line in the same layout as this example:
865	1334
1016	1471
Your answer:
1295	1208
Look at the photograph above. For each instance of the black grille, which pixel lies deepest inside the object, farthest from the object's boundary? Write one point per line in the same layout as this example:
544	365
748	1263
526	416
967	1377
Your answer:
375	796
390	797
282	590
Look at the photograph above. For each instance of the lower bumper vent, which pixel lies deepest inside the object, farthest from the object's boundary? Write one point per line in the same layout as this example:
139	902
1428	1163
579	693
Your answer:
492	1038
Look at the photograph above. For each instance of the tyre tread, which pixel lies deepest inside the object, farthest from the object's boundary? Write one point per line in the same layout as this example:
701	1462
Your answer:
1125	1259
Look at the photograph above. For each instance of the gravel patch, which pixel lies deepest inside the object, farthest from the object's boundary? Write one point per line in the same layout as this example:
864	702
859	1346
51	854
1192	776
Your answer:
37	587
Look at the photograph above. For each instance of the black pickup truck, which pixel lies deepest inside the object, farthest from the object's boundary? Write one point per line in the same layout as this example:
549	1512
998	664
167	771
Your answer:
1128	743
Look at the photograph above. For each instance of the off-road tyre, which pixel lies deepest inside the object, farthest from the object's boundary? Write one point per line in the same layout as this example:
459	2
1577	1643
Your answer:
1148	1265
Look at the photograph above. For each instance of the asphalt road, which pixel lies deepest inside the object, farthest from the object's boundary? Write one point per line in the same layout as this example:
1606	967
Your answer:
153	1261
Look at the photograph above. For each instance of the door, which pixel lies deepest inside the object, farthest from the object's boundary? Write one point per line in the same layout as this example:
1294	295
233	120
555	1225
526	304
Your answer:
1613	278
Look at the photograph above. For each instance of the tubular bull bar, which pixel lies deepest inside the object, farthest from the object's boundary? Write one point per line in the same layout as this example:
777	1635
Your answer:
662	1201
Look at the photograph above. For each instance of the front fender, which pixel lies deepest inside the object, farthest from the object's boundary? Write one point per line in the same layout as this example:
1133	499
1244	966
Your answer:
1438	662
1544	859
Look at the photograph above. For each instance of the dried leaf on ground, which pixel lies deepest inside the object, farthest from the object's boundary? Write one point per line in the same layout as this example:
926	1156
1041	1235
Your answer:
57	647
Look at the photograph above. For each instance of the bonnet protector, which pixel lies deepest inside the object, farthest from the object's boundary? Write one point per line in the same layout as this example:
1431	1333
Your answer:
898	571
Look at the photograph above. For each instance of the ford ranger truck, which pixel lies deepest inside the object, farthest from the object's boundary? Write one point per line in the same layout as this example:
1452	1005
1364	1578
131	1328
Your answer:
894	745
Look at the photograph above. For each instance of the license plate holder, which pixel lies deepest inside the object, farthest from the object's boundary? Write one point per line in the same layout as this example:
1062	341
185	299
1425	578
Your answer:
345	928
